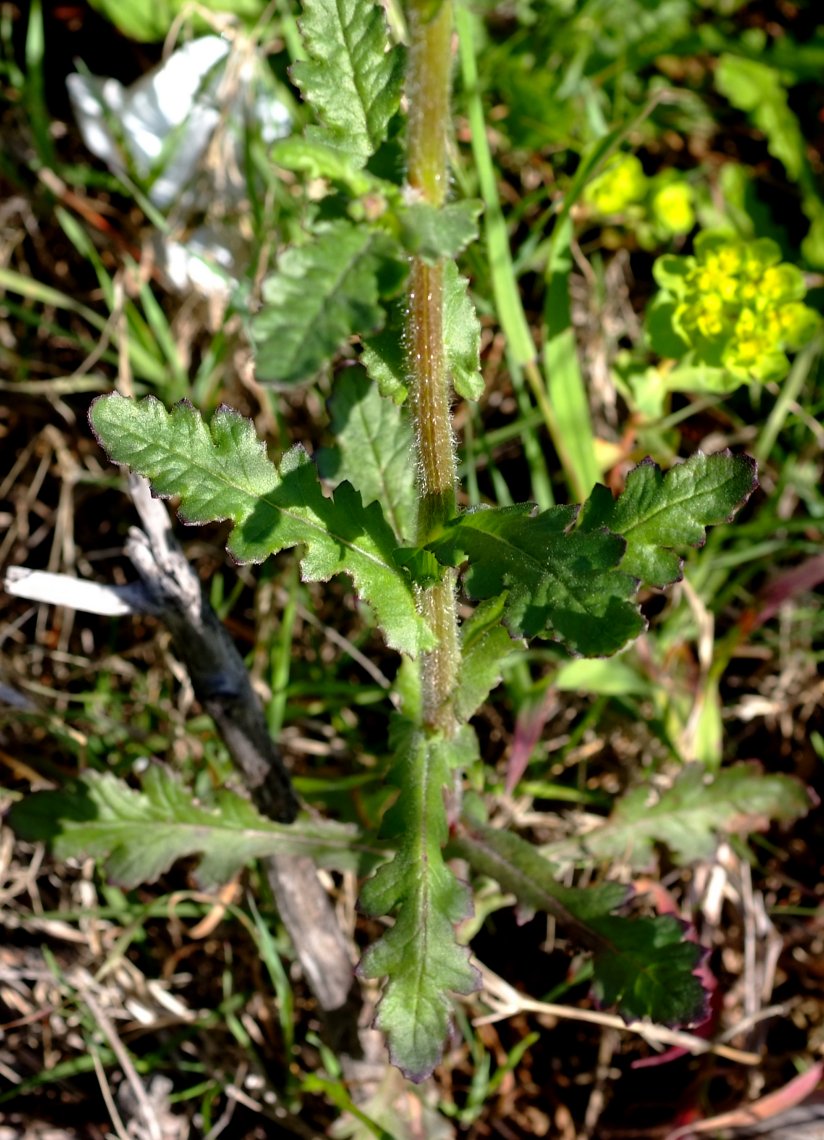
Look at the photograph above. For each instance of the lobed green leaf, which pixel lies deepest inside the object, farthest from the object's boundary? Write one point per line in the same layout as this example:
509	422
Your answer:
419	956
462	335
560	583
351	81
374	450
222	471
657	511
485	643
520	868
575	578
140	834
433	233
317	159
642	966
689	817
322	293
384	359
646	969
383	354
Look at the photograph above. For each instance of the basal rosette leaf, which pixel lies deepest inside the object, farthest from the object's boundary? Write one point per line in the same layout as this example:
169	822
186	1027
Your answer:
646	969
561	583
352	82
689	817
322	292
659	513
520	868
419	956
642	966
141	833
221	471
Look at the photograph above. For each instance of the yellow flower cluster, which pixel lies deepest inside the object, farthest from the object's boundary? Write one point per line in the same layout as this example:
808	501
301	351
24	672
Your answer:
737	306
662	204
619	185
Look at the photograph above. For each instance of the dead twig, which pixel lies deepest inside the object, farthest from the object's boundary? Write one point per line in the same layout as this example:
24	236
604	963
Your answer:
507	1002
154	1130
221	684
214	665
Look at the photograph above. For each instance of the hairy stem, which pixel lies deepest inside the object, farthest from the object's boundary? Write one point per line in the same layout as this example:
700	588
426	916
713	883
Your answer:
428	89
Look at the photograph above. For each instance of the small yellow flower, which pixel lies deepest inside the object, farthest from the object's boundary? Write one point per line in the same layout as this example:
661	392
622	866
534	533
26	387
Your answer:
710	321
672	207
729	259
619	185
782	283
798	323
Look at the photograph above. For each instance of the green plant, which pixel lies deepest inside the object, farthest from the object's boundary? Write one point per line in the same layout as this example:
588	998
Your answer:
378	261
758	89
